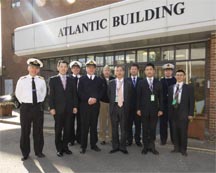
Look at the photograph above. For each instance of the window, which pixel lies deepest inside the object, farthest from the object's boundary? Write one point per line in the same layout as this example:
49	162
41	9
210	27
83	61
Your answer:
109	59
130	56
182	52
89	57
167	53
154	54
15	3
142	55
119	58
198	51
99	59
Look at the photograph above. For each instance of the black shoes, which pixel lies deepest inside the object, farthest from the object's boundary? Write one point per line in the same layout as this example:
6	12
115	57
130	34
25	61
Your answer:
144	151
175	151
114	151
154	151
184	153
128	143
139	144
95	148
103	143
24	158
40	155
124	151
83	150
67	151
59	154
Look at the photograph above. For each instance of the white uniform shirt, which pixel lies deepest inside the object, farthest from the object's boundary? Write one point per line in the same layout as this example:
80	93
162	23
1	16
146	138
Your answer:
180	91
23	90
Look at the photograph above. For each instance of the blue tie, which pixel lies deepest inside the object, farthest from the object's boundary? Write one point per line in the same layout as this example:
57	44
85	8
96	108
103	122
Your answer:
134	81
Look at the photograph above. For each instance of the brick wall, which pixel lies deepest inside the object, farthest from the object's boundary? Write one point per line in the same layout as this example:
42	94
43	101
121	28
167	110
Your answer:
212	90
14	66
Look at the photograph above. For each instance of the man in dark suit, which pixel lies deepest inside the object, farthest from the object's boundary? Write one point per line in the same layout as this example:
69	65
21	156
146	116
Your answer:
63	103
167	81
181	110
149	107
90	91
119	92
133	117
104	117
75	127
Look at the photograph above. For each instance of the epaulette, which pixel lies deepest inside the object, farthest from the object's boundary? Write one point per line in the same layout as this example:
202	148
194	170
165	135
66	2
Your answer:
41	77
23	77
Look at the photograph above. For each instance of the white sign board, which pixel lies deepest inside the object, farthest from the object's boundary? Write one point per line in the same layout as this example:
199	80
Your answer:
119	22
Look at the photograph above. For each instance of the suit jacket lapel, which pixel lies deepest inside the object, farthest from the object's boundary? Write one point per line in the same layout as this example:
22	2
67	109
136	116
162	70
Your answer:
125	89
61	84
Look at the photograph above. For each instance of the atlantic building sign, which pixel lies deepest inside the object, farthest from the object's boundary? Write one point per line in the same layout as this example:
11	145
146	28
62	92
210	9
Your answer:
125	19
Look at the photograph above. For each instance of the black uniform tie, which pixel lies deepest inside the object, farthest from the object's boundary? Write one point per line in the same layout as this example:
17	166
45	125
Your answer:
34	94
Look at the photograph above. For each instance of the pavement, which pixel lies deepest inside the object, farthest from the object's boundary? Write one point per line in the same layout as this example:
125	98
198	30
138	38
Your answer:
201	155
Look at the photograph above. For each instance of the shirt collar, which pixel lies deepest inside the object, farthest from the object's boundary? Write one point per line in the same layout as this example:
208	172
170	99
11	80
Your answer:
132	77
121	80
168	77
62	76
180	84
78	75
29	76
93	76
148	78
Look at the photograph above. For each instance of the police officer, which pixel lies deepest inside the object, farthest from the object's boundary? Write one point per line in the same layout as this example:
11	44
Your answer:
75	67
167	81
31	92
90	91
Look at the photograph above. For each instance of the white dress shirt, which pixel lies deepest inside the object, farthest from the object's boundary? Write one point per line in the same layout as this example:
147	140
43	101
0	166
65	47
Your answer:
118	87
78	76
180	91
148	79
23	90
89	76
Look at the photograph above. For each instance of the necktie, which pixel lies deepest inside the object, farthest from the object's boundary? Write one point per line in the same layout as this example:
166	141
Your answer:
34	94
177	93
120	94
64	82
91	77
151	85
134	81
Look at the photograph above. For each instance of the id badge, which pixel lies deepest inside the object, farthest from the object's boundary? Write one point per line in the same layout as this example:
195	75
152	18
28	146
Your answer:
174	102
152	97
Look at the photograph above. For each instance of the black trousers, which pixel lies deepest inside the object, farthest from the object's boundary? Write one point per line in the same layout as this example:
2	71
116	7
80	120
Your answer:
76	128
149	125
136	120
30	113
119	117
62	130
89	121
180	132
164	121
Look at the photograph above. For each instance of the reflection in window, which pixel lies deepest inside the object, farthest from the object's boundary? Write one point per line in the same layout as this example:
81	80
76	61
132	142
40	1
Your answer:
82	60
198	51
89	57
119	58
109	58
130	56
154	54
184	66
198	82
167	53
182	52
142	56
99	71
15	3
53	64
99	59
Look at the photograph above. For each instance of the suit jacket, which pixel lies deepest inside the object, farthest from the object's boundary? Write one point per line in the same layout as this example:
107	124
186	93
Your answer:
133	103
144	102
90	88
62	100
127	95
105	97
186	106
